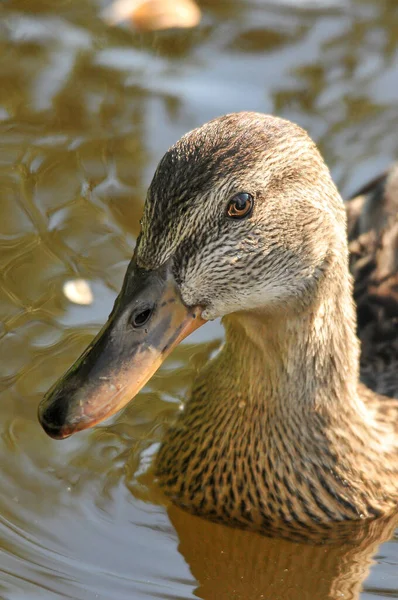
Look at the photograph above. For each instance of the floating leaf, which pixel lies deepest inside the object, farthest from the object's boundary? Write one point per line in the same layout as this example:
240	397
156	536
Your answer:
78	291
154	15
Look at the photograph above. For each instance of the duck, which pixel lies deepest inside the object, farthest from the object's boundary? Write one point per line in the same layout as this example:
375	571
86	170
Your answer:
292	426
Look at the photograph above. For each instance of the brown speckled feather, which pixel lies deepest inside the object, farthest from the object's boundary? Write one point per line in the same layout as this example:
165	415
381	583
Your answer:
373	236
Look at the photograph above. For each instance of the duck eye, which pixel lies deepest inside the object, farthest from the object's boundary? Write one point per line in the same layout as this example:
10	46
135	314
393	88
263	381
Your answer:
240	205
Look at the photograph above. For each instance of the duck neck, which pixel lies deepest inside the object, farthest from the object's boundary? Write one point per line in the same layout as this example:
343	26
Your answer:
308	358
275	431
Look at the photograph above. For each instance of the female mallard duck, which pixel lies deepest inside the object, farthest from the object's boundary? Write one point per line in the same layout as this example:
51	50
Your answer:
243	221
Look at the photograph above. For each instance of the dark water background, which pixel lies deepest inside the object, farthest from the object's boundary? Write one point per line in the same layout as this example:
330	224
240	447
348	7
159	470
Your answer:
86	111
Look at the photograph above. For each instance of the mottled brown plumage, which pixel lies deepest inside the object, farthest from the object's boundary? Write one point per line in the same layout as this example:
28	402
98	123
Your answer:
373	244
278	433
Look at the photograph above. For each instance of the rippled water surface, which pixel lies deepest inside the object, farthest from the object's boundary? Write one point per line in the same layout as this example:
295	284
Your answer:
86	111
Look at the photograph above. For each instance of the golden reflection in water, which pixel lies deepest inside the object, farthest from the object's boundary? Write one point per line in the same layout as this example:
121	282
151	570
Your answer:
86	110
229	563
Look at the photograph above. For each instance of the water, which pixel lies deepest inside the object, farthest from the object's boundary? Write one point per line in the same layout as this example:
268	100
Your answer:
86	111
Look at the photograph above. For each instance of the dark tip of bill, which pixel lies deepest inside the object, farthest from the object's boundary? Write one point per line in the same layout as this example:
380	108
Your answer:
52	418
53	431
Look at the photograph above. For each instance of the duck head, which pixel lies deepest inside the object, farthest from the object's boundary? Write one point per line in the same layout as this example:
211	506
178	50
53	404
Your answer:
241	215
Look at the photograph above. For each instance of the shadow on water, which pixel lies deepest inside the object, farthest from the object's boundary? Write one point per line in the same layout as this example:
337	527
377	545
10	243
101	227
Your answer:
86	111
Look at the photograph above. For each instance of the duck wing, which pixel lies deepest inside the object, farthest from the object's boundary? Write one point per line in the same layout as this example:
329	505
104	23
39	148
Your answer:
373	244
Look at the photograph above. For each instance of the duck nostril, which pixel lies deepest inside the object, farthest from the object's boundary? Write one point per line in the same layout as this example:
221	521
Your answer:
140	318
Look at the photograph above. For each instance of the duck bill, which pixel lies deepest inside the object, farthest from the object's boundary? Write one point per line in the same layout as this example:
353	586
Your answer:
148	320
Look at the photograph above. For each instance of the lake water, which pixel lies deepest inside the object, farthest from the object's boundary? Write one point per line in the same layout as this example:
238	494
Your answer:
86	111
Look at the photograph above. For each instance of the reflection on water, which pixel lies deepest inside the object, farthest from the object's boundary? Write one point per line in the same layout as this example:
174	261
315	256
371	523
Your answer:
85	113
